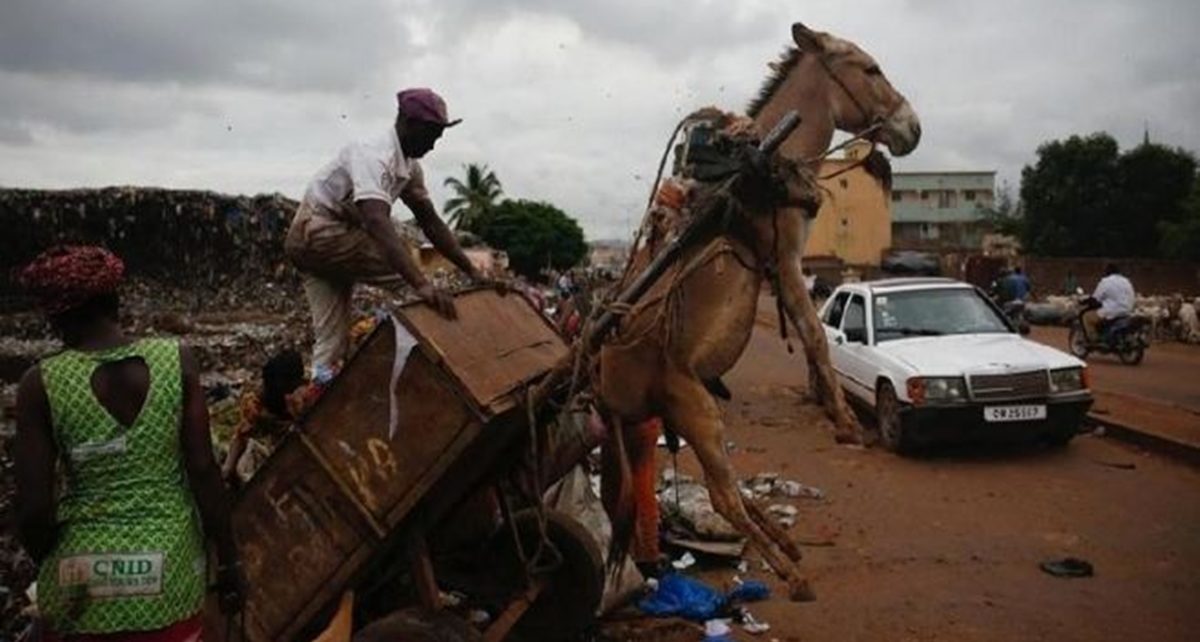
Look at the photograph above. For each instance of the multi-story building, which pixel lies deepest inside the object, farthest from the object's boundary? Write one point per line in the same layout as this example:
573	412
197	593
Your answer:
853	223
938	210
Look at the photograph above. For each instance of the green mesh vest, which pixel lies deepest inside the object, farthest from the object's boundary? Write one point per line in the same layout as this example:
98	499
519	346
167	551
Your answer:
130	554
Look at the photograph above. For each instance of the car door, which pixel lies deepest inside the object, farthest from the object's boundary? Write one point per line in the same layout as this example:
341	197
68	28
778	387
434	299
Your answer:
858	369
831	319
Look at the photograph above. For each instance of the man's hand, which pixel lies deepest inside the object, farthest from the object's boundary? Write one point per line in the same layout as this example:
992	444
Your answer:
439	300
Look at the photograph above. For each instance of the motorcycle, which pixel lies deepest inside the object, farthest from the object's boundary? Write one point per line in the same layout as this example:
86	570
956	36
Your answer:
1015	311
1127	337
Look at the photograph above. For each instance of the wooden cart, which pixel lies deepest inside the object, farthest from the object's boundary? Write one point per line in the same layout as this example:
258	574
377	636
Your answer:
426	413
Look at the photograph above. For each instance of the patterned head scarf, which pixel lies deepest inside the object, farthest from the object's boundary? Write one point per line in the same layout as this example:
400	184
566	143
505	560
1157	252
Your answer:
68	276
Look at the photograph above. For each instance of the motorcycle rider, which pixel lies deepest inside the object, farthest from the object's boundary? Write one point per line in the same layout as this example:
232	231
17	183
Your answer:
1115	297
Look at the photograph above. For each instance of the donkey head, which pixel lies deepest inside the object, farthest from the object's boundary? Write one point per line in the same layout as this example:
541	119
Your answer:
860	95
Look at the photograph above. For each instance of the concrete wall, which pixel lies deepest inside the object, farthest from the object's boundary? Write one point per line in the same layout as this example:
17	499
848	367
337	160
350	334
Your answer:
1149	276
854	222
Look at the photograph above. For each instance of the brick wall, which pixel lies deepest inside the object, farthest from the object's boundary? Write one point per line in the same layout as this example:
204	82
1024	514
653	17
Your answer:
1149	276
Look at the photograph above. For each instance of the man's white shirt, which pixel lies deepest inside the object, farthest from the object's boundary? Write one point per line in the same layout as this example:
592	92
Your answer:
375	169
1116	297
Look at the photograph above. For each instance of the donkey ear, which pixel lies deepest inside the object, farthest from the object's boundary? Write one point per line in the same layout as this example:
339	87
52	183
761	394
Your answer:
806	39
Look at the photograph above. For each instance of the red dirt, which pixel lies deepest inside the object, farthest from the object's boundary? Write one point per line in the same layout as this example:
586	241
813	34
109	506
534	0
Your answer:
947	547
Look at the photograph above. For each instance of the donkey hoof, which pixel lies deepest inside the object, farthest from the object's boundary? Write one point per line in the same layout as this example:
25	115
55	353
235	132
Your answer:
801	591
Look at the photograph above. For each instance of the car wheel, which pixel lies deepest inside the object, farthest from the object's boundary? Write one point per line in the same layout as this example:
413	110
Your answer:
887	417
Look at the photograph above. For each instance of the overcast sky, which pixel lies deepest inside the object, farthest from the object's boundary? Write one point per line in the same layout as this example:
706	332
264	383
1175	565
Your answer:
568	101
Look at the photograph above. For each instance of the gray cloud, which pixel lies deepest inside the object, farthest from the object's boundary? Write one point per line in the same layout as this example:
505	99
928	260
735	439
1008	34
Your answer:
567	101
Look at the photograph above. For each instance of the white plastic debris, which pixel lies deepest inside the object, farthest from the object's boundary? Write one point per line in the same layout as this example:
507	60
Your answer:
743	566
796	489
686	561
783	510
752	625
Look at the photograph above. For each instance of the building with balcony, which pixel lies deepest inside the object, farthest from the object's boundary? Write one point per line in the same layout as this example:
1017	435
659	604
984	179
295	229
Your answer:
940	210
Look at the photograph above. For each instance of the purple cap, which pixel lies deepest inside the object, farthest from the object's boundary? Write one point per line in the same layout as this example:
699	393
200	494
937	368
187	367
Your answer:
424	104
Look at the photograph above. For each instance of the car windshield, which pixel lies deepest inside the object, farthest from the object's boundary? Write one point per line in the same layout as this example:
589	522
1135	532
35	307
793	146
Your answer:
918	313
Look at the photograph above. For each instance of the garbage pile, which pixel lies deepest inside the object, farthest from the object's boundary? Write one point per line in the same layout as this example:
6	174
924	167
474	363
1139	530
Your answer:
183	240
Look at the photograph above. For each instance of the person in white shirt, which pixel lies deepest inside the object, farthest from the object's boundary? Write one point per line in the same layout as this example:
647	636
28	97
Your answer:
343	232
1116	297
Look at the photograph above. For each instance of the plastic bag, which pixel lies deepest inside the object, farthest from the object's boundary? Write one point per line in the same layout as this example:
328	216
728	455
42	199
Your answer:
683	596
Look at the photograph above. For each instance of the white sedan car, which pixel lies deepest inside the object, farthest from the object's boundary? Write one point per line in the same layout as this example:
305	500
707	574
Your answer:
936	360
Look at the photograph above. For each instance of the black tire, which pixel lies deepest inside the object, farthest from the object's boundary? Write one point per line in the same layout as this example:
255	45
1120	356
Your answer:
1131	352
887	416
1077	342
419	624
567	606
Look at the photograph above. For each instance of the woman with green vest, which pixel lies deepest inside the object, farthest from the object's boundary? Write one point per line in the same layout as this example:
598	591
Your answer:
120	539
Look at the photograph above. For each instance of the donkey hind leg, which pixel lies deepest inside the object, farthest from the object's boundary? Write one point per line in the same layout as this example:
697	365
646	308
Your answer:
692	413
773	530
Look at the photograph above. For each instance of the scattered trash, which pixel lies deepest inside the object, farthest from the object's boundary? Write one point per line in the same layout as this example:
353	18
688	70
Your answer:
1068	567
743	566
796	489
686	561
693	516
717	631
765	485
479	617
662	442
783	510
683	596
752	625
749	591
732	549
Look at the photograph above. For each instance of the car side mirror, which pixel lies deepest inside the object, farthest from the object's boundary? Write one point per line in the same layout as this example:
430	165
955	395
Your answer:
856	335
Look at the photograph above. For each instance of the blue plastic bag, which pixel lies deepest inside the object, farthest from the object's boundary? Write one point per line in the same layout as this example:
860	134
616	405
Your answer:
683	596
749	591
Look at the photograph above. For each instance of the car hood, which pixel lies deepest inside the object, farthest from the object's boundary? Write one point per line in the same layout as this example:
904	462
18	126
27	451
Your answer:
975	354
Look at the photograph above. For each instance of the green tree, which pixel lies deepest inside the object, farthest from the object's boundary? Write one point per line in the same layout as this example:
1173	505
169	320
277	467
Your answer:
1181	239
473	197
535	235
1005	216
1069	196
1084	197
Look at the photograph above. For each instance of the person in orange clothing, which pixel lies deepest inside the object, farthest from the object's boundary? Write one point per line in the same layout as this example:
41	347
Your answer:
642	447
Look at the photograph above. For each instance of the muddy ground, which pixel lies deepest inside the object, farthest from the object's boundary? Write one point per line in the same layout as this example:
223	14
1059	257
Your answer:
944	547
947	547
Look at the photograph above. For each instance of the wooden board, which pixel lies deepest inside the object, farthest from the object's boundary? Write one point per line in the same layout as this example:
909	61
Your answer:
497	343
340	488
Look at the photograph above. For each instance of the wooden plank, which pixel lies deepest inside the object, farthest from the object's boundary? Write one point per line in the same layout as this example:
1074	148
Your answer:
496	344
295	532
351	429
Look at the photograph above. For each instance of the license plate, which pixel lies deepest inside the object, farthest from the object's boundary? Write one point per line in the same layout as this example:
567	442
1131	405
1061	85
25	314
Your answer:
1031	412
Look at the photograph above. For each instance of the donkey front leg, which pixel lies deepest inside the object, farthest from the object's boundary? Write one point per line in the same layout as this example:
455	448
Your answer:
693	414
803	314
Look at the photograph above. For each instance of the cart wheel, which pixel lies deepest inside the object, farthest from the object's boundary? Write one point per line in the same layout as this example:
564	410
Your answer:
419	624
566	606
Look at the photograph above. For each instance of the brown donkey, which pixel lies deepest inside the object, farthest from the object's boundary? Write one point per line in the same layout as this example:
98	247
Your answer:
694	324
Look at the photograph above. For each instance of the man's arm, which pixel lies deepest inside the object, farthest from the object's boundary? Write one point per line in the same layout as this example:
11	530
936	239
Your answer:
34	455
439	234
204	476
376	219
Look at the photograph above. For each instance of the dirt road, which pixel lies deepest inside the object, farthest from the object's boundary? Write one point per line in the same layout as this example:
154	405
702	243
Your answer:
1169	373
947	547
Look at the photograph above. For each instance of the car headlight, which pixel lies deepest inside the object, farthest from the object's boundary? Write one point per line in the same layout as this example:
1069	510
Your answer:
937	390
1067	380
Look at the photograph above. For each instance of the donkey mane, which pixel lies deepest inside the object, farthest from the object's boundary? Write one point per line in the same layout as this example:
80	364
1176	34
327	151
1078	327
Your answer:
779	73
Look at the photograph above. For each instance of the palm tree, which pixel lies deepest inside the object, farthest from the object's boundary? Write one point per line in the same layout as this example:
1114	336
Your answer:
473	198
